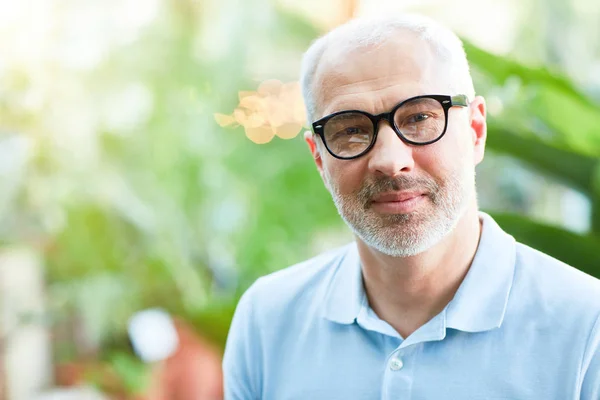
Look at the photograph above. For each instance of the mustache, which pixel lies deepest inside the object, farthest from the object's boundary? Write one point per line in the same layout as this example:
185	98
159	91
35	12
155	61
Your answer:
387	184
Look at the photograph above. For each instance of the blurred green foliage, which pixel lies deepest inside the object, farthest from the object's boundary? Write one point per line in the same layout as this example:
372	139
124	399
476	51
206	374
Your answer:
170	210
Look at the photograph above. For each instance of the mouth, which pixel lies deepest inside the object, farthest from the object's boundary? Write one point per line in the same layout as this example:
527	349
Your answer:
397	202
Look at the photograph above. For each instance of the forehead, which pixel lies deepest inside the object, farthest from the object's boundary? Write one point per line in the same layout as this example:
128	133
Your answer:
376	78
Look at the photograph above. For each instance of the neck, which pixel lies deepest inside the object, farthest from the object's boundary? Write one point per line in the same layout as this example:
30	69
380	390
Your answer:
407	292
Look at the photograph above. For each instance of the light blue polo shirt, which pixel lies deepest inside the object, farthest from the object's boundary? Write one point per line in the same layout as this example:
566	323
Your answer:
521	326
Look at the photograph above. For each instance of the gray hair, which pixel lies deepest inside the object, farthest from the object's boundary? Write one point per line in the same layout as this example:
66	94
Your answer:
369	31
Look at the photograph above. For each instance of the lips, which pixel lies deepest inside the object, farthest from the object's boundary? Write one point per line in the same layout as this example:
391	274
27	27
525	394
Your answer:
396	197
397	202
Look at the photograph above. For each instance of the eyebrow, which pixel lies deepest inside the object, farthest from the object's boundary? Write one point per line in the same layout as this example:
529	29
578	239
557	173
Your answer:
364	109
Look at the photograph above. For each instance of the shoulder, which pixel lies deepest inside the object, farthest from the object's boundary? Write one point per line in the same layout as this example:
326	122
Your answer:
297	286
265	316
555	284
563	303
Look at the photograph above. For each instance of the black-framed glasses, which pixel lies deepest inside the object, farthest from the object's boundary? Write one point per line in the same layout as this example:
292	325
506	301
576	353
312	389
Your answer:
418	121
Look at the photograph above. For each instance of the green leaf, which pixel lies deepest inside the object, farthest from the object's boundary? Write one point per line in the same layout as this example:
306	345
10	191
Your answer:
576	122
570	167
213	322
501	68
579	251
545	96
596	201
133	372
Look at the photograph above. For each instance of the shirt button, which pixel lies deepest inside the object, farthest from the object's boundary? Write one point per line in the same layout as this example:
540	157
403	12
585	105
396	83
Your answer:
396	364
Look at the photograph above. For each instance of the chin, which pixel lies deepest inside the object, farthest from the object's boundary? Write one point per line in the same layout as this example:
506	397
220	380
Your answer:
401	251
398	237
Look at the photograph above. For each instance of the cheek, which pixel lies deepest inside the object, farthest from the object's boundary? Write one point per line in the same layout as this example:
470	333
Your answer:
448	156
343	176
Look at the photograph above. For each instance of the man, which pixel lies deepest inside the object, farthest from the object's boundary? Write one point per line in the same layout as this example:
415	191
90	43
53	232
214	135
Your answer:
432	300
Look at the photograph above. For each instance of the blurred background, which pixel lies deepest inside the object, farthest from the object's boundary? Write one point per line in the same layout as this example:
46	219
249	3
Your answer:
151	158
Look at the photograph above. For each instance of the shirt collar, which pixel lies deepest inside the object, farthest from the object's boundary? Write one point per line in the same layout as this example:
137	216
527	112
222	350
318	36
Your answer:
345	295
479	304
481	300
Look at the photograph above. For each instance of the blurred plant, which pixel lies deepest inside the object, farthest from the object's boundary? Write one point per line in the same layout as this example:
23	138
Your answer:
113	167
134	374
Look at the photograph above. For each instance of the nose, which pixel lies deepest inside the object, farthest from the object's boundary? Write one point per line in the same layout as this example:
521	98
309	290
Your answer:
390	155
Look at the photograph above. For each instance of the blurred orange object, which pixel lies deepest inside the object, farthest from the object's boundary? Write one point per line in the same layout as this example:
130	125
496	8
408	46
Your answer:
193	372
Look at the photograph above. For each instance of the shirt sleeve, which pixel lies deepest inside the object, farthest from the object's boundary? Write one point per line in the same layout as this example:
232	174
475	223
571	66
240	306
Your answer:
241	361
590	388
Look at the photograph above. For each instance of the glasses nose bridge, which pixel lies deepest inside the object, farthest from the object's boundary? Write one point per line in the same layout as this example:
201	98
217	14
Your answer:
386	116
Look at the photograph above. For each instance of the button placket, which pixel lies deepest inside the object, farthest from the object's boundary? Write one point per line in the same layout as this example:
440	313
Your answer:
399	370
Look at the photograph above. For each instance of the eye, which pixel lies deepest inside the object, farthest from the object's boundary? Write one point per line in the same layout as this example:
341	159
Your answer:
352	130
348	126
420	117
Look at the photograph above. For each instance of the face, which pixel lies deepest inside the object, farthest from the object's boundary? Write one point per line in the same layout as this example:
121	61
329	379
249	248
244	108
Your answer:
399	199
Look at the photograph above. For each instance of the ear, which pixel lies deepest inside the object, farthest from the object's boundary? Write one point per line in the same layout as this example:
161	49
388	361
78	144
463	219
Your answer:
478	127
313	146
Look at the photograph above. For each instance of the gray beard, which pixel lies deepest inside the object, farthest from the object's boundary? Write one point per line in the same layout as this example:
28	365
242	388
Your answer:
406	235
